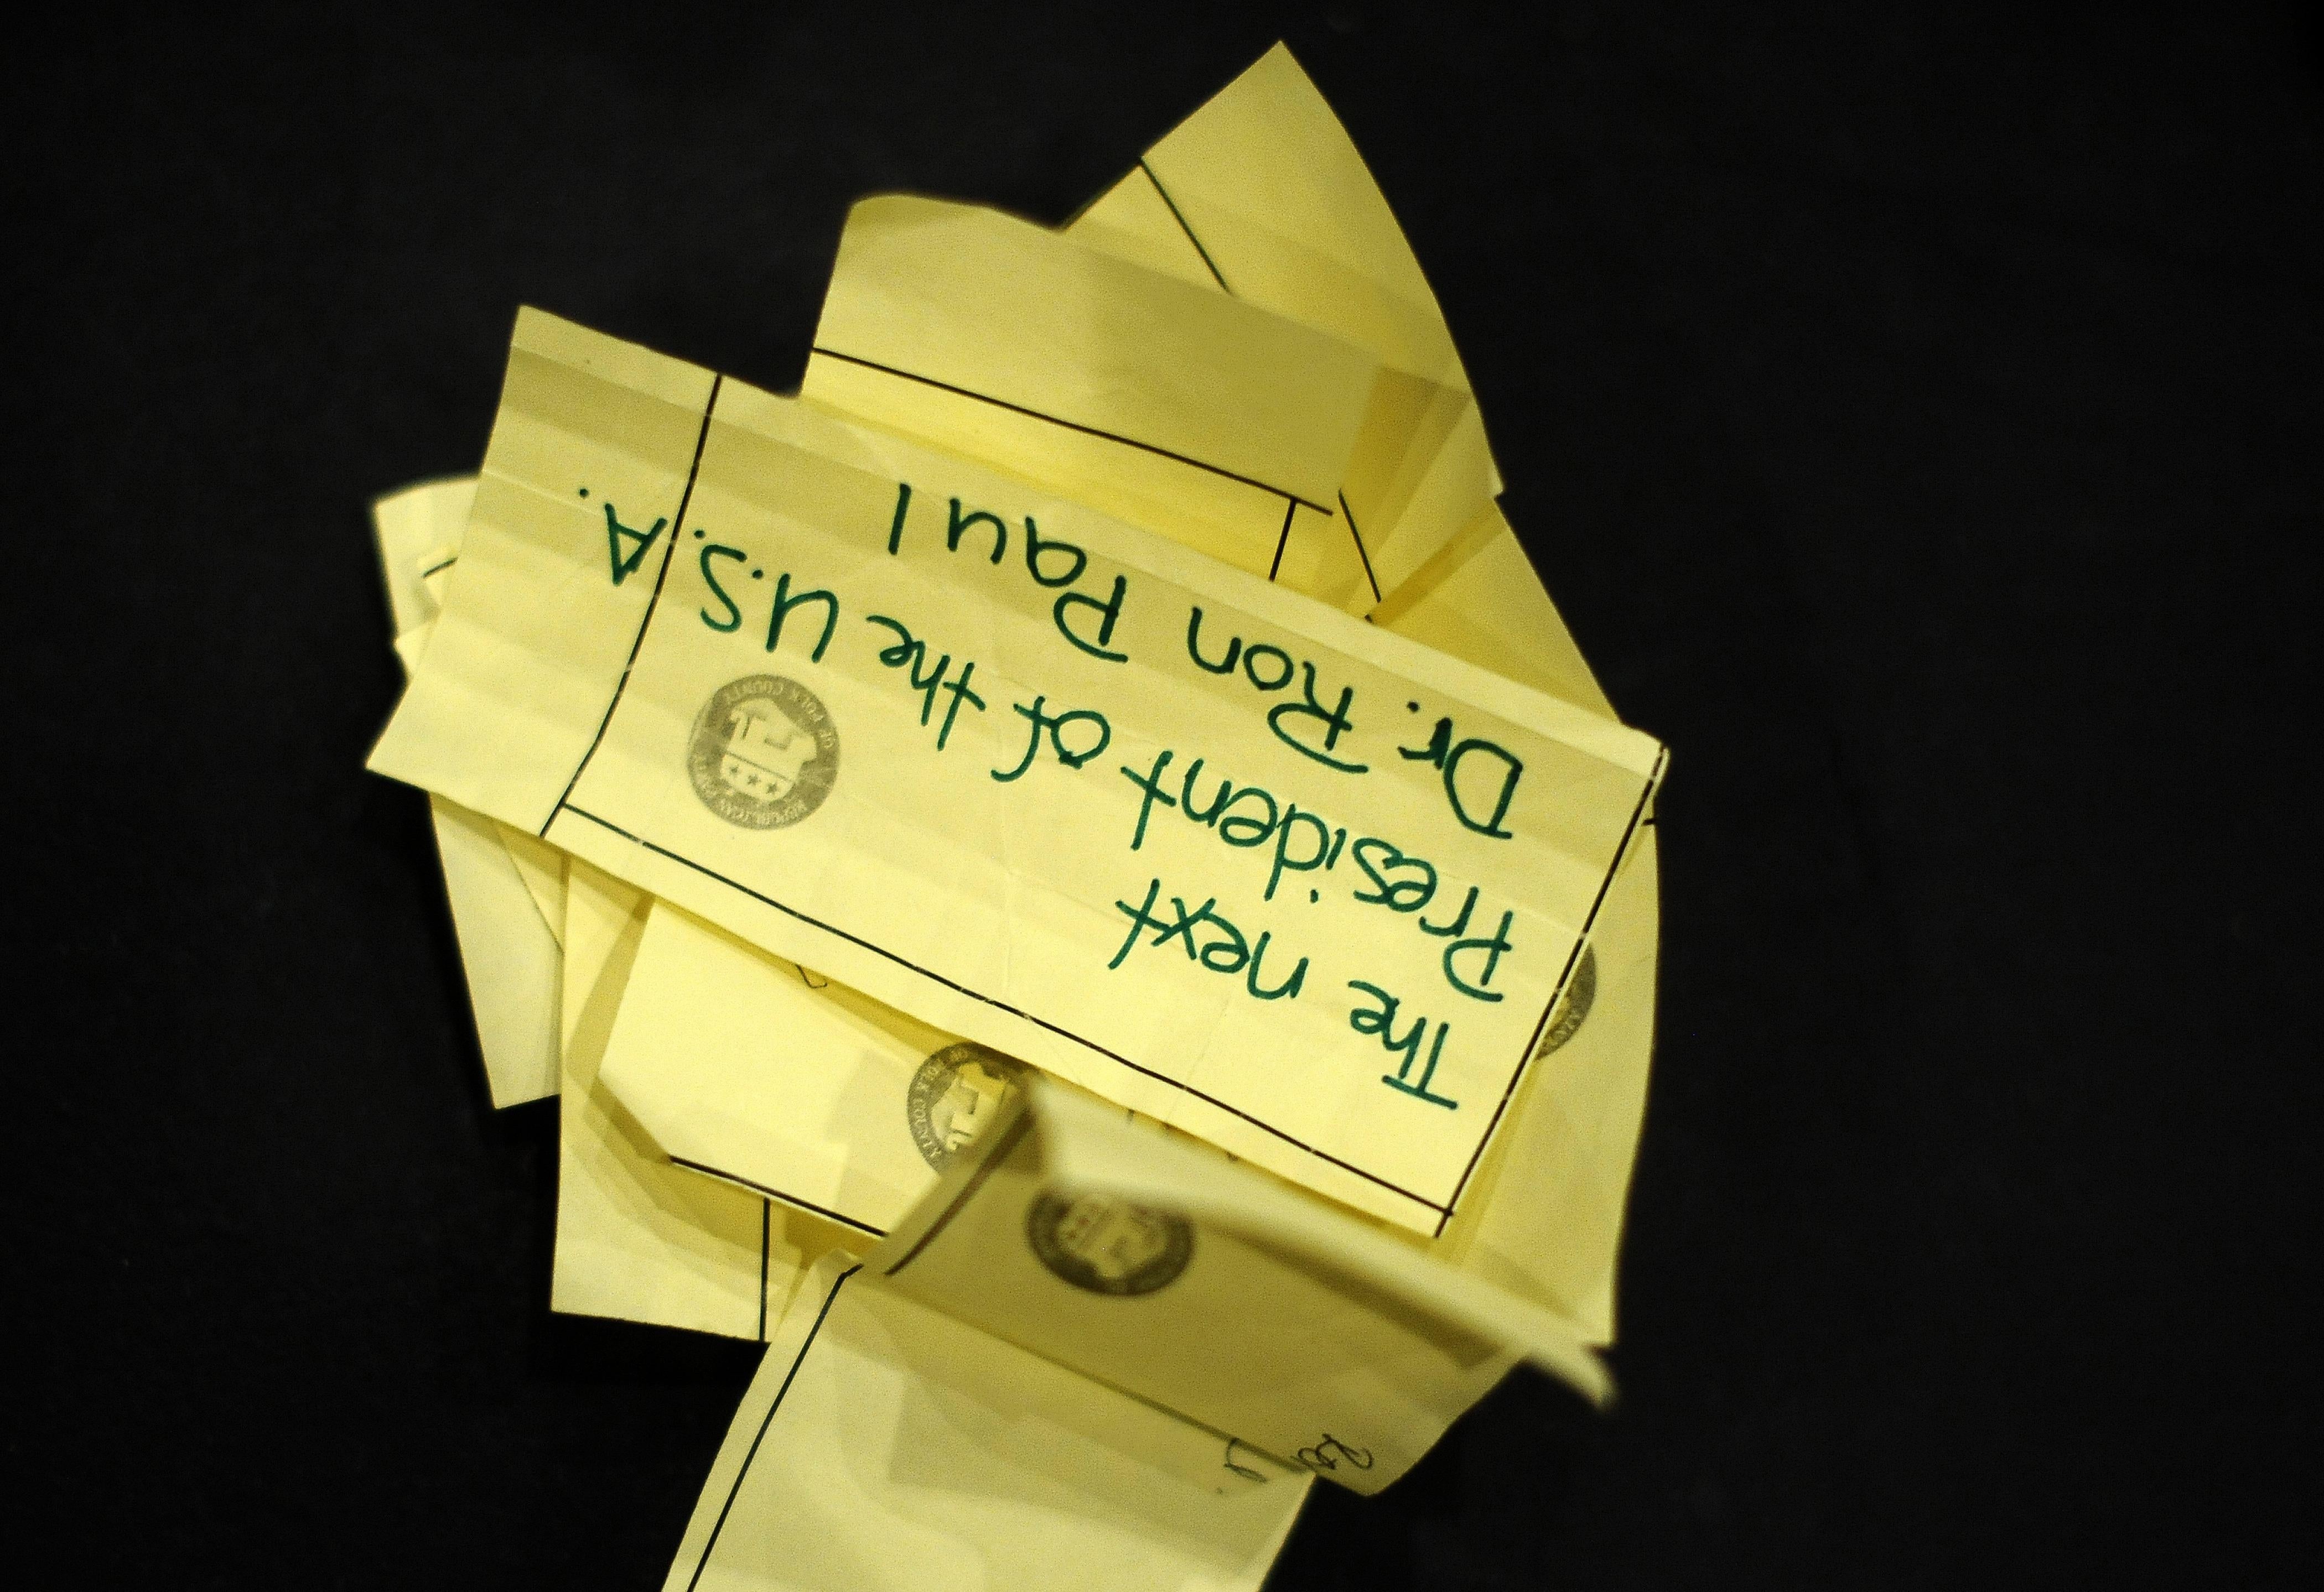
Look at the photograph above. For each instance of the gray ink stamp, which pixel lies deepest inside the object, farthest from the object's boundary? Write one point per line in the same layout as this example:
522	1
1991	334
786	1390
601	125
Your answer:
954	1096
764	753
1108	1246
1574	1006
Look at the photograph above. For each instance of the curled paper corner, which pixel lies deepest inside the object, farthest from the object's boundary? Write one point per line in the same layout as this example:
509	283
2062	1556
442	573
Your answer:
1132	1256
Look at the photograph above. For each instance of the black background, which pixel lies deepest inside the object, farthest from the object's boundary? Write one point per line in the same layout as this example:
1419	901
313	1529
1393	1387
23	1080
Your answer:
1913	412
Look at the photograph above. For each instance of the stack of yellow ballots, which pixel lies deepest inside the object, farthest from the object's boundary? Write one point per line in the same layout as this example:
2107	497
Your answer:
1068	877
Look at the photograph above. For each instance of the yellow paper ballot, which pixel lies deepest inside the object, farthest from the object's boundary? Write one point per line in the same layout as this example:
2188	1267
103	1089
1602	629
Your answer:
733	1027
1262	195
742	1066
1203	846
637	1238
1219	424
884	1447
1157	1265
508	947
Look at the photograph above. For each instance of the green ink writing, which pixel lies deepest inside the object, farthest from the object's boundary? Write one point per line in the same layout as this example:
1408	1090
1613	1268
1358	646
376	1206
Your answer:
1379	1021
785	600
1269	669
733	619
1334	722
1493	946
1108	612
1229	951
627	547
1194	646
1296	822
1052	562
1278	668
1399	895
961	523
1080	719
896	526
1287	823
908	652
1036	545
1243	829
1448	754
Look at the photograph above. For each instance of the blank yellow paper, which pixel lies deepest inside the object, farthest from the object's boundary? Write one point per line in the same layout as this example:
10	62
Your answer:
637	1237
425	524
884	1447
508	944
1479	826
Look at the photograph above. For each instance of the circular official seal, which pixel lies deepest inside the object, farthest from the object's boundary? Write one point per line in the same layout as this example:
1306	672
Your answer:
954	1096
1108	1245
1573	1005
764	753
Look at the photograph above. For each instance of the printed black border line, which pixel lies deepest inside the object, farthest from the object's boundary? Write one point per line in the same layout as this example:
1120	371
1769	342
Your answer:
734	1492
774	1194
1156	448
1001	1152
1369	578
1003	1005
1179	217
766	1254
1525	1060
676	530
1283	538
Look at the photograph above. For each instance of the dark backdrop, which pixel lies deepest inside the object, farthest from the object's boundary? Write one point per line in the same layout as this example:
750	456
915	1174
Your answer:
1914	414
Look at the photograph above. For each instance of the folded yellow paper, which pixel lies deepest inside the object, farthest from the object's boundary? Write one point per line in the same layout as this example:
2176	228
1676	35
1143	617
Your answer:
508	940
1156	1265
420	529
744	1066
1261	195
1219	424
637	1237
1100	772
884	1447
736	1064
